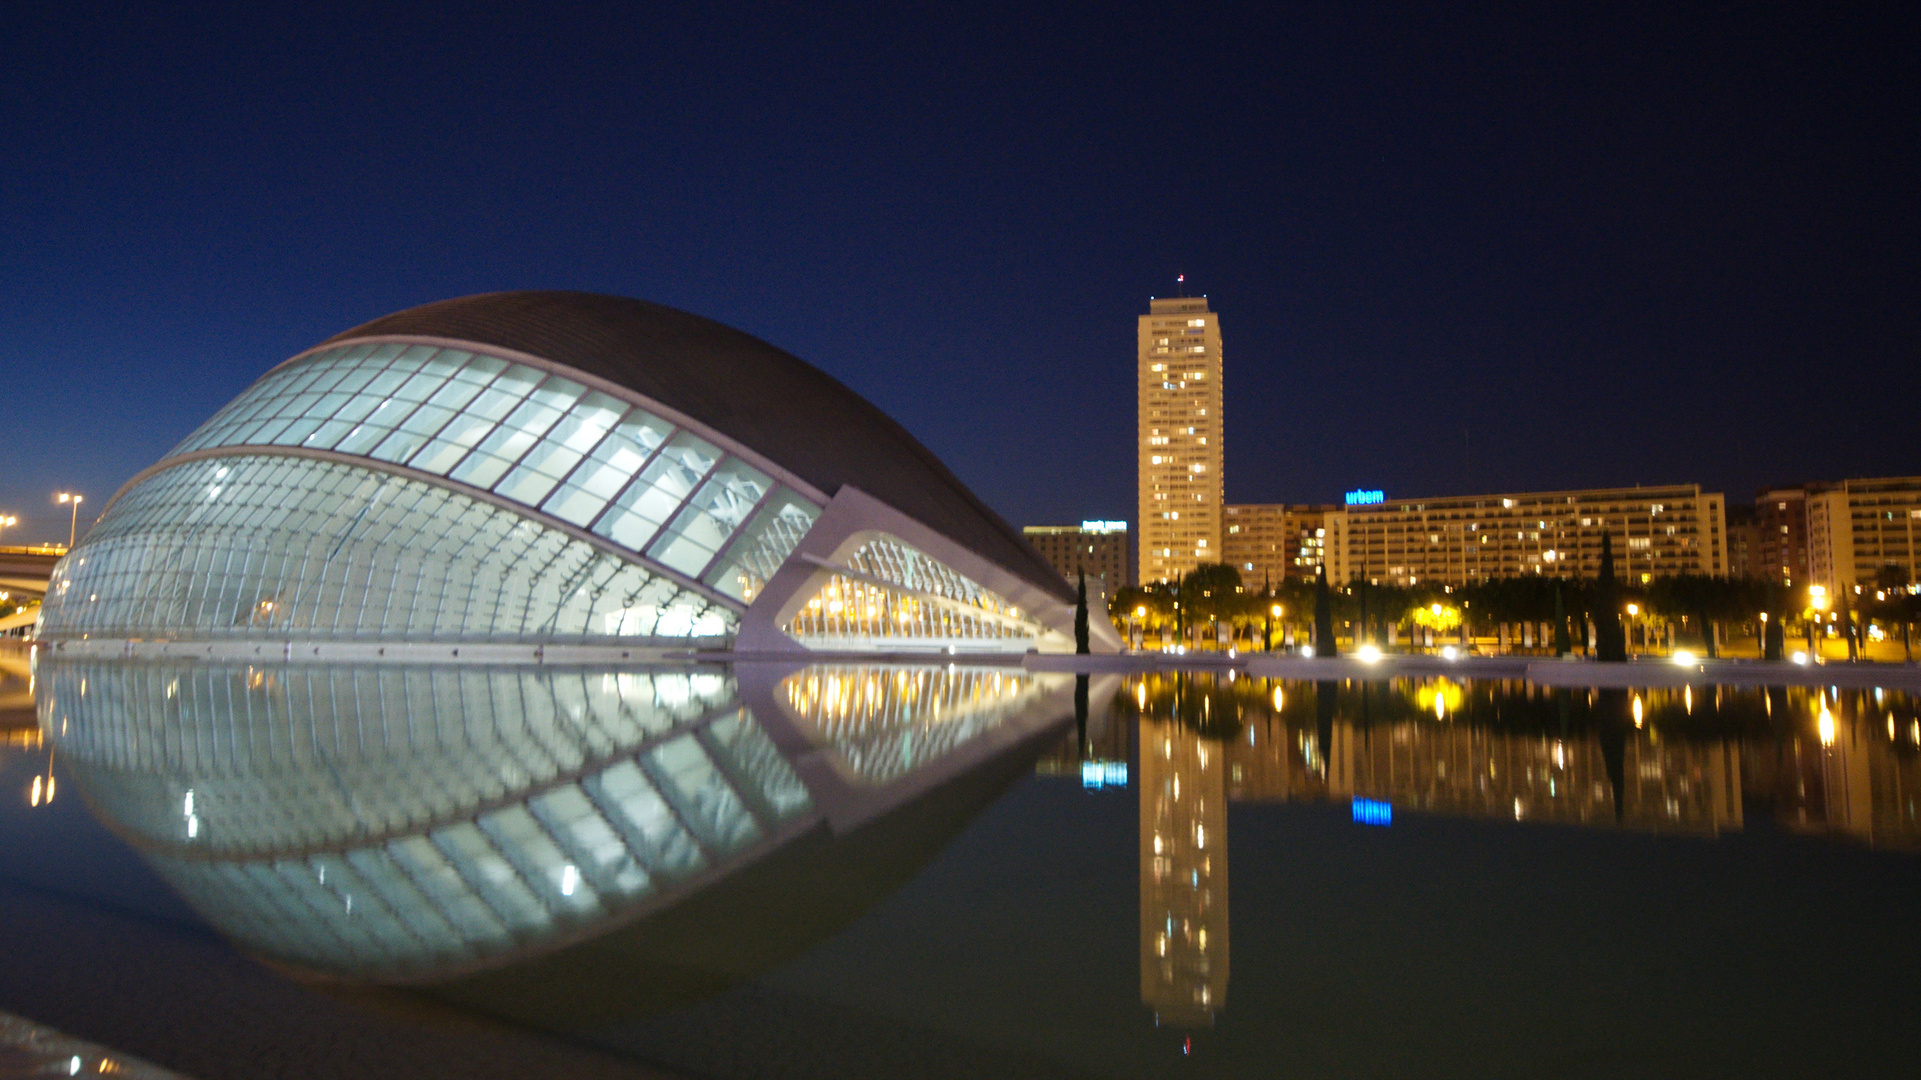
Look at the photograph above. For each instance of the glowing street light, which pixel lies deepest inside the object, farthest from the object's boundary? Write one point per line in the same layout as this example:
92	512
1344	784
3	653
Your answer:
73	522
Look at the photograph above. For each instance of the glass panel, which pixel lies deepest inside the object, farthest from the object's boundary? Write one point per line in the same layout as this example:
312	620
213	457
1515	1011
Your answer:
767	541
604	859
561	449
648	824
608	469
526	424
481	865
542	865
753	756
267	546
476	420
698	790
453	898
666	482
711	516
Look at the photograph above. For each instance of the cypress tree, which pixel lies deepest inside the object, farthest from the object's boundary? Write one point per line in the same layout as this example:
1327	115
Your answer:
1267	612
1323	617
1080	618
1610	637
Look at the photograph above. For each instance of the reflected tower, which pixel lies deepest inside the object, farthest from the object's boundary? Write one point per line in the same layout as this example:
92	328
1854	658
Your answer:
1183	795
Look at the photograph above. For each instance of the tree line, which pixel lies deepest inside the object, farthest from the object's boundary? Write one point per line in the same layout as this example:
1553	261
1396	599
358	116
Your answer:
1696	604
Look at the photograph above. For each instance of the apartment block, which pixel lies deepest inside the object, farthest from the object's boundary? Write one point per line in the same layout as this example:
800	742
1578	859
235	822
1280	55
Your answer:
1179	384
1657	532
1098	547
1273	541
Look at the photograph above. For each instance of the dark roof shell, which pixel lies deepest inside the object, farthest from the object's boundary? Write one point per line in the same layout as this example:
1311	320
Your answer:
742	387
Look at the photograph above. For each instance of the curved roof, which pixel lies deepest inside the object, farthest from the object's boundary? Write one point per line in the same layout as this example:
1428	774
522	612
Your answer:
750	391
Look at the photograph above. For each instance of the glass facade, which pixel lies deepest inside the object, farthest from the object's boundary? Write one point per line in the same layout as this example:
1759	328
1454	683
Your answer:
387	491
274	546
385	818
897	595
535	439
886	722
397	821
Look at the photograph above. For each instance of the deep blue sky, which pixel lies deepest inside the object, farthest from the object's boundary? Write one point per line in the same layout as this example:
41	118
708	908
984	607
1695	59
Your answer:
1615	246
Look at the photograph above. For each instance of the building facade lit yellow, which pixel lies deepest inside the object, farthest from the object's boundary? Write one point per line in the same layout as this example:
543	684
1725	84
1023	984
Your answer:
1180	438
1657	532
1857	528
1273	541
1098	548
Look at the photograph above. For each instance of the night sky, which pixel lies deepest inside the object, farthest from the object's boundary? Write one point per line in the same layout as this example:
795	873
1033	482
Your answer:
1511	250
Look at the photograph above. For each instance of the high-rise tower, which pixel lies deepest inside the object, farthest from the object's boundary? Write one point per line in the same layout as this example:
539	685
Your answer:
1180	438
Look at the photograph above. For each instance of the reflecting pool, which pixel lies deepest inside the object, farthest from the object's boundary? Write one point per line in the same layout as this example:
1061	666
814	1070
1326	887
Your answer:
847	870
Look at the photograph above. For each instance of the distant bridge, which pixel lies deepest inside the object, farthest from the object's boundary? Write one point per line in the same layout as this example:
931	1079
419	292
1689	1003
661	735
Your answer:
23	576
25	570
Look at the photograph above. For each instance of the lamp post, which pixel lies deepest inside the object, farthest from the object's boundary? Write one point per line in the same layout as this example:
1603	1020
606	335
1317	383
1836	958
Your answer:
73	521
1633	610
8	521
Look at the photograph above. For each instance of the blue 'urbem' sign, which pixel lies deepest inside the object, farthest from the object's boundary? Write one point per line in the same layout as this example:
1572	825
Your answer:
1366	498
1373	812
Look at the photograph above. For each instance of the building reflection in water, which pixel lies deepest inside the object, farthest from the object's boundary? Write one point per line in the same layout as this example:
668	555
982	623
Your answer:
1183	841
493	832
1686	761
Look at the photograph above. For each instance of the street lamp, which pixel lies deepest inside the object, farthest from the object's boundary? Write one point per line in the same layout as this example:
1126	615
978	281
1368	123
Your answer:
73	521
1633	610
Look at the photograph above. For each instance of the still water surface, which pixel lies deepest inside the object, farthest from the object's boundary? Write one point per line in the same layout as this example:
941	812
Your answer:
845	871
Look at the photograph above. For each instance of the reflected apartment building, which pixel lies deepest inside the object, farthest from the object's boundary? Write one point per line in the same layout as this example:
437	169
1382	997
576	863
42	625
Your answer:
1851	765
1844	763
1183	846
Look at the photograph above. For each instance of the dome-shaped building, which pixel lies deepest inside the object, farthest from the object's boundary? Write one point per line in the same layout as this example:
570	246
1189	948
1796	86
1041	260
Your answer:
552	469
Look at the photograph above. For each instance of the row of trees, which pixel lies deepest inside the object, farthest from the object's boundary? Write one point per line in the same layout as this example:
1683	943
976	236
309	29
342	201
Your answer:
1213	594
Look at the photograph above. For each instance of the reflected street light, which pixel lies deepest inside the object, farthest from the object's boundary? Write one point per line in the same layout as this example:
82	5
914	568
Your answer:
73	521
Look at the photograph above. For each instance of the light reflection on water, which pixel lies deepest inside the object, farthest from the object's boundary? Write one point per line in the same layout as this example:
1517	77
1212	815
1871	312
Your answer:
419	823
1845	763
652	857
